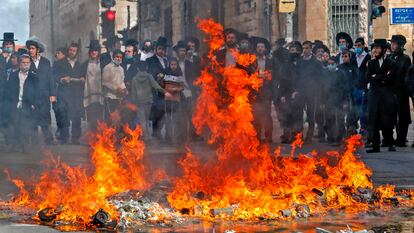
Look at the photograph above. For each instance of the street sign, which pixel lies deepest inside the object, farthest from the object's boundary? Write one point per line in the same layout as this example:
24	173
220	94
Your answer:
402	15
287	6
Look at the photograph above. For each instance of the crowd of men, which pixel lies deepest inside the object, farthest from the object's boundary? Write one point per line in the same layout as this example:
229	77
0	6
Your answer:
359	90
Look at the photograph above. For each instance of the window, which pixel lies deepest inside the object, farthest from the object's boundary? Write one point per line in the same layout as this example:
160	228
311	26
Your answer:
343	17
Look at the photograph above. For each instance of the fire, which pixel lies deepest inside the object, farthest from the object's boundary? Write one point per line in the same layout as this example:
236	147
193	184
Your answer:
245	180
77	193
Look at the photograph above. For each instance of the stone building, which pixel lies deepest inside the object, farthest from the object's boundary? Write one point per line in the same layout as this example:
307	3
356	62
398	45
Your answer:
79	20
60	22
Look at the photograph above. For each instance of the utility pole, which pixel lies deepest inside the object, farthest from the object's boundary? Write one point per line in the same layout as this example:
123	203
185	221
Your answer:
52	28
370	22
139	19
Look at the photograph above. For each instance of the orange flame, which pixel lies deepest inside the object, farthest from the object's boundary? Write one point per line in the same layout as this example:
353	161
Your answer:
81	192
245	176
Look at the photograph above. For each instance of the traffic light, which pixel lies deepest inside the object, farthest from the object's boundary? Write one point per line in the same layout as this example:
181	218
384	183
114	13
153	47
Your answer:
108	23
377	8
108	3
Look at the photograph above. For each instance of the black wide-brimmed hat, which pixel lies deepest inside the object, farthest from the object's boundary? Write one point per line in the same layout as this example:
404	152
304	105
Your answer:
254	40
399	39
8	36
297	45
36	42
131	42
195	41
280	41
162	41
320	46
94	45
379	43
180	45
231	31
347	37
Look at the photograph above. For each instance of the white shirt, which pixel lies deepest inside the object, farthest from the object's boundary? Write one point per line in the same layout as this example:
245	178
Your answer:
161	59
22	80
36	62
72	62
145	56
380	61
361	57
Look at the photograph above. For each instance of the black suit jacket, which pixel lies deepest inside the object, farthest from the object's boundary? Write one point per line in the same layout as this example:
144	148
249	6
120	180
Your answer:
46	81
30	92
381	76
154	66
362	71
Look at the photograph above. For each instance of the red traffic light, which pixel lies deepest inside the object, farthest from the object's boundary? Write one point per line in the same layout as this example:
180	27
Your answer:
110	15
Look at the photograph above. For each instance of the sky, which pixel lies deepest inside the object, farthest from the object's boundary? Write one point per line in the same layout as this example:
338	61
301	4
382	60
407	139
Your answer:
14	17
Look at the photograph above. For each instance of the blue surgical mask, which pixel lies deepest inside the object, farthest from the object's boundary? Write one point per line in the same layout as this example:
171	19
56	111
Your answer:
116	62
7	50
359	51
342	47
331	67
129	57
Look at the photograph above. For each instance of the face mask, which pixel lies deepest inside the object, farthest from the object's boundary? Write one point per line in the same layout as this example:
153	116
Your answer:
244	46
294	56
358	51
24	68
7	50
342	47
332	67
129	57
116	62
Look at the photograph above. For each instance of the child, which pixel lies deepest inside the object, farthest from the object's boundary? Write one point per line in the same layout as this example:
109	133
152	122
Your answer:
141	95
174	84
336	98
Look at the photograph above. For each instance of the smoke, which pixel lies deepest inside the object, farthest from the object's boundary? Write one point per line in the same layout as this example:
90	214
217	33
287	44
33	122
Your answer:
15	18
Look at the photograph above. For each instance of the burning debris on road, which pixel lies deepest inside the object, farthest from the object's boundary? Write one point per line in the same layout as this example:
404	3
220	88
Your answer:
245	181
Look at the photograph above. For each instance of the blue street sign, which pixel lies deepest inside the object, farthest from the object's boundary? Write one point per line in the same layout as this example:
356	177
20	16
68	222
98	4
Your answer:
402	15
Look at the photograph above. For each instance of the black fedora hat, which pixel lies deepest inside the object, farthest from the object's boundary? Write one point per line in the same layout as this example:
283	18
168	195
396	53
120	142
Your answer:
94	45
399	39
8	36
379	43
131	42
231	31
347	37
256	40
320	46
36	42
162	41
180	45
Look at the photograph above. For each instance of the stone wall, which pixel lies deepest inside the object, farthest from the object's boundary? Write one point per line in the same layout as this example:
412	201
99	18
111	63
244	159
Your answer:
383	28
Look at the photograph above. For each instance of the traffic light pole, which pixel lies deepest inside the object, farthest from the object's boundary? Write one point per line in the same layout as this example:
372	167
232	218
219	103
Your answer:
370	39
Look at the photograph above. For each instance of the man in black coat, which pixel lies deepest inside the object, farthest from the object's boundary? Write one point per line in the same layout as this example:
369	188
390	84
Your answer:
403	62
8	47
410	84
381	98
359	94
190	92
350	83
288	103
47	89
262	104
344	42
21	101
309	81
70	96
157	65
